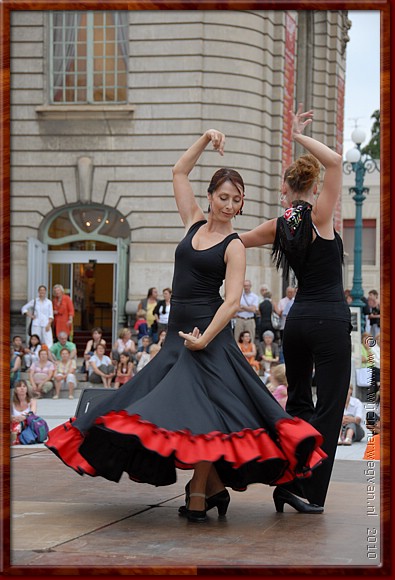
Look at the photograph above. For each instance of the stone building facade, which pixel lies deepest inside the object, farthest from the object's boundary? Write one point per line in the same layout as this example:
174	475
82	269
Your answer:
108	164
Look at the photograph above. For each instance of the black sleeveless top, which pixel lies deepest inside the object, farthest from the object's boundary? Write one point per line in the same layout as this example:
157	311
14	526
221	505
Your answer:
199	274
320	286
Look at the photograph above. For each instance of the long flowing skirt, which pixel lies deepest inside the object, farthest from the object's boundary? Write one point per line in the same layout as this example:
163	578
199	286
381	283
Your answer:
190	406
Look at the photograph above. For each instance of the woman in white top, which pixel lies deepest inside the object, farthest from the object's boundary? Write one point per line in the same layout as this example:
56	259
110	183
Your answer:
162	310
100	368
40	310
22	404
32	351
123	344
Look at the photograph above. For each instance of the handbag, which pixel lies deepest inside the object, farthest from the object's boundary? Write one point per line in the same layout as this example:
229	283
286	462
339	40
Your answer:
275	320
29	328
364	377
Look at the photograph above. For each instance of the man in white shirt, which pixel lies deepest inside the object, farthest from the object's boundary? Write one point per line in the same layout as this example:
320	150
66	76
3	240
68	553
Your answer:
351	429
40	310
284	306
245	317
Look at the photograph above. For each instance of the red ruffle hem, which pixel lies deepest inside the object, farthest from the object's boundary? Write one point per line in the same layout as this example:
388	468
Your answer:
235	448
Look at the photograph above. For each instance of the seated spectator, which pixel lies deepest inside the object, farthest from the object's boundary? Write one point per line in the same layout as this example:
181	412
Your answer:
161	337
372	451
65	373
268	351
147	357
162	310
97	338
351	429
31	351
21	405
141	326
41	373
248	348
124	343
124	370
17	351
144	348
100	368
278	385
62	343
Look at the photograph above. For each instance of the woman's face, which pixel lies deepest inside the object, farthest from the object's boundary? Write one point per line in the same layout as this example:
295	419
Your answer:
34	340
154	293
57	292
123	358
268	340
126	335
225	202
42	292
246	337
21	390
43	355
100	350
166	295
65	355
96	336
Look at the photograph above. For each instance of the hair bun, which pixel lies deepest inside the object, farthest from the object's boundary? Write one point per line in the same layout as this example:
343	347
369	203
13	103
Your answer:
303	173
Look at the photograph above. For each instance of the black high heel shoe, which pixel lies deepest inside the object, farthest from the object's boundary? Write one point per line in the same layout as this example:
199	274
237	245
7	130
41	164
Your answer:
219	500
196	516
282	496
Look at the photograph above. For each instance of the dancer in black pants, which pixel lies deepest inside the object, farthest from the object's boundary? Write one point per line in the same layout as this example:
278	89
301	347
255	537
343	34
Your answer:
317	331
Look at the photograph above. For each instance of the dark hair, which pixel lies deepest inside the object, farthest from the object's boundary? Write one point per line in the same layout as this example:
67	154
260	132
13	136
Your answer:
30	340
243	333
15	398
302	173
226	174
16	336
149	294
42	286
97	329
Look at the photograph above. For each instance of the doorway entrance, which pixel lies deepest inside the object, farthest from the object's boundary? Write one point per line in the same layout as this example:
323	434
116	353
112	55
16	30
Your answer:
91	281
91	288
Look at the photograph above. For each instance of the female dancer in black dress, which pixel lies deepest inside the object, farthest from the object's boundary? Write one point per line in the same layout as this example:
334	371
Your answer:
317	331
198	404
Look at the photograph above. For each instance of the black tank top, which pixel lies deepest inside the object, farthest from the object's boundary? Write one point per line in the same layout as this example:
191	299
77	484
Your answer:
320	288
199	274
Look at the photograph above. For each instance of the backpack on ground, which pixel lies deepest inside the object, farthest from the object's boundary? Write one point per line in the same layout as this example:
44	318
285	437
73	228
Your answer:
27	437
38	426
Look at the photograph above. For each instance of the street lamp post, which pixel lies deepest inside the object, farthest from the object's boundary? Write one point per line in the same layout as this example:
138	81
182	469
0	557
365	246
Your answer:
358	164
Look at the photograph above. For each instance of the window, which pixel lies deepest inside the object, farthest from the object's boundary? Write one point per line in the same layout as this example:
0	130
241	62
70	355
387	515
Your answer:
368	241
70	227
88	57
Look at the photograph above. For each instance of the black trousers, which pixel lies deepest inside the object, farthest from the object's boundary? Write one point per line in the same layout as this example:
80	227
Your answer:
326	345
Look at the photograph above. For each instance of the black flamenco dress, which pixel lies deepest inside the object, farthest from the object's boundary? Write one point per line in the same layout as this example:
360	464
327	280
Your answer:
189	406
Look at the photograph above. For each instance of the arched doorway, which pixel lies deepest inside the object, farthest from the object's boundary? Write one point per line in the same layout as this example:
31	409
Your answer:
86	250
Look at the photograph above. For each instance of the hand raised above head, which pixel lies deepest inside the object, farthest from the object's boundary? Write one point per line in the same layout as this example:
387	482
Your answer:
217	139
301	119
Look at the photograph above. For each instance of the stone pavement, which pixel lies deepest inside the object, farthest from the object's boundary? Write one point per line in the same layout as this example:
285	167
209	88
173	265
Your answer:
82	525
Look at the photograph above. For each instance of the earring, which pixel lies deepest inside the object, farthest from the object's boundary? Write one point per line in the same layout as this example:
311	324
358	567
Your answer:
209	208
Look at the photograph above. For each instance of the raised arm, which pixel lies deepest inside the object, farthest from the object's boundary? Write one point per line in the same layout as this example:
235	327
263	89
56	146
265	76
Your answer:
235	273
188	207
324	207
261	235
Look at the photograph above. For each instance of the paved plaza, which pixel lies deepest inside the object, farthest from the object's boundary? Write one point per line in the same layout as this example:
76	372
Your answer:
74	524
